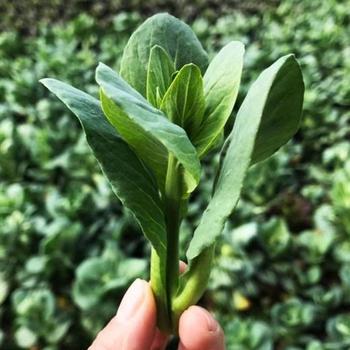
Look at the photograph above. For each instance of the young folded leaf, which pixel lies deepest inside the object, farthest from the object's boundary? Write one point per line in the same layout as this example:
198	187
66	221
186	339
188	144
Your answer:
184	101
159	75
174	36
221	84
145	128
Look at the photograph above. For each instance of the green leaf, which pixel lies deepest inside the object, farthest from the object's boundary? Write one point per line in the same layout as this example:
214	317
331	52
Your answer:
275	236
221	84
97	276
184	102
277	92
146	128
174	36
25	337
57	330
131	181
159	75
282	110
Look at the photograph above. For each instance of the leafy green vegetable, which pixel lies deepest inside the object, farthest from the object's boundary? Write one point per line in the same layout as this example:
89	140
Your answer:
99	275
149	149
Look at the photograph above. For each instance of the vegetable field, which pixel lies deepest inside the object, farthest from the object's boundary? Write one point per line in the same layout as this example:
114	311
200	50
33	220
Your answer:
69	249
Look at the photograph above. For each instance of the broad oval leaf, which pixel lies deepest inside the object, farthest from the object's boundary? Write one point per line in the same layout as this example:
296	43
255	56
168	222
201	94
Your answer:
282	111
221	84
159	75
174	36
277	92
131	181
145	128
184	102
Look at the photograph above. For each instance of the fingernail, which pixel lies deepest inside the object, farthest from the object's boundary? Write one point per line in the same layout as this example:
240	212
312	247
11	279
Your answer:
132	300
212	325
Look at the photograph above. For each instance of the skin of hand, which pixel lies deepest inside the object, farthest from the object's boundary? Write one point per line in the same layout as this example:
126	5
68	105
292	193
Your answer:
134	325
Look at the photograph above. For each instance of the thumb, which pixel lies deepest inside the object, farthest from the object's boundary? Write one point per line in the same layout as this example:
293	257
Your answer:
134	325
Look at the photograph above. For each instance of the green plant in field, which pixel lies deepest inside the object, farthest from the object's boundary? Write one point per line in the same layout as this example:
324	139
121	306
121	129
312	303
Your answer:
158	118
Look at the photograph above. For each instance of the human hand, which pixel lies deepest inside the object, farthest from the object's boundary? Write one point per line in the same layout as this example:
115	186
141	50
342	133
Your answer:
134	326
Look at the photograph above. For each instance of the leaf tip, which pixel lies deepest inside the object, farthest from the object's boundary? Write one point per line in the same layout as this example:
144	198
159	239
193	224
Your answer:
44	81
101	70
49	83
290	57
99	67
156	47
238	44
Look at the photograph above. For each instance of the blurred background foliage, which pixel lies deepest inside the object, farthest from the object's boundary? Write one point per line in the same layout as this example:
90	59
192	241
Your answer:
68	250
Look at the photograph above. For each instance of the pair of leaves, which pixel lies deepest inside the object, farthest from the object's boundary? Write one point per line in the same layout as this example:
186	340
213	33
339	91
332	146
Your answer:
184	101
268	117
160	72
201	106
179	94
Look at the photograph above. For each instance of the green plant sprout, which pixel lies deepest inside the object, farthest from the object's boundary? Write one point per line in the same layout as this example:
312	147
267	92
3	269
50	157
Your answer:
156	120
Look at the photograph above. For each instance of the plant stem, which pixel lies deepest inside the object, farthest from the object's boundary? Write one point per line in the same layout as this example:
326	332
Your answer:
173	299
193	283
158	284
165	270
172	203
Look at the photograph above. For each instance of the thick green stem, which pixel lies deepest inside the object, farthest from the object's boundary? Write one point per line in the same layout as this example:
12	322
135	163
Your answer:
172	203
173	298
193	283
165	289
158	284
172	208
